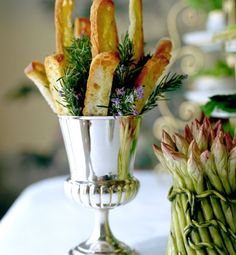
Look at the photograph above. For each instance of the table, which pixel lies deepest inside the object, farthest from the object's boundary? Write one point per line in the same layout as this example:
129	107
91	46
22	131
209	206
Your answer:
43	221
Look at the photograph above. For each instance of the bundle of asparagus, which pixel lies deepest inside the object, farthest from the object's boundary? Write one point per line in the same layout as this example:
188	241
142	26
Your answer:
92	73
202	162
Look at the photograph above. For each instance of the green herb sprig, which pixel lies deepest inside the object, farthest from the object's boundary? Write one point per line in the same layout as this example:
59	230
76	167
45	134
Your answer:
124	94
74	83
169	82
123	101
127	70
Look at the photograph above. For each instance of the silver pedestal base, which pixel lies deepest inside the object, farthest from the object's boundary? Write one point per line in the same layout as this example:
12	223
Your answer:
102	241
102	248
102	196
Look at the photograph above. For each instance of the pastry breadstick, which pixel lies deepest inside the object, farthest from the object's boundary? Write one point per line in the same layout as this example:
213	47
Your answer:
99	84
82	27
136	28
54	66
104	37
164	47
153	70
63	24
35	71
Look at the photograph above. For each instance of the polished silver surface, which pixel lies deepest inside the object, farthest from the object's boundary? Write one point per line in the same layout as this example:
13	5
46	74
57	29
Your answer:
101	153
102	241
102	194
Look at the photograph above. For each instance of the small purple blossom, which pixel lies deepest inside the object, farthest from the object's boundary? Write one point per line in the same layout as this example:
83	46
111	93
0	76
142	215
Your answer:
119	113
135	112
120	91
140	92
124	99
115	101
61	93
78	96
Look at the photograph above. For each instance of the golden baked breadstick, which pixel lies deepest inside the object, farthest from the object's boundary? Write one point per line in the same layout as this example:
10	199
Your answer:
54	66
164	47
136	28
104	37
35	71
63	24
99	83
153	70
82	27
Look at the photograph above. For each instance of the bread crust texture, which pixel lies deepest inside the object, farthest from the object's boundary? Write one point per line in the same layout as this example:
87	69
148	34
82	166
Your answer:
136	28
99	84
54	66
82	27
63	24
35	71
104	36
152	71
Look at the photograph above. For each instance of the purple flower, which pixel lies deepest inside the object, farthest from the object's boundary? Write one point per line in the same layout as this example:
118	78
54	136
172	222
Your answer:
61	93
115	101
78	96
135	112
140	92
119	113
120	92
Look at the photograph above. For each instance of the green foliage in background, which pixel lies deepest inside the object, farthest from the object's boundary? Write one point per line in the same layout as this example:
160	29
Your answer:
220	69
22	91
206	5
226	103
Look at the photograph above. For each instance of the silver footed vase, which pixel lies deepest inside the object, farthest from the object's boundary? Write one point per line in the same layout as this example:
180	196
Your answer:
101	153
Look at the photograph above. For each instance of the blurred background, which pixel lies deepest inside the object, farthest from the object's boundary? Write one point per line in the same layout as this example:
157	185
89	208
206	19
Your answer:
31	146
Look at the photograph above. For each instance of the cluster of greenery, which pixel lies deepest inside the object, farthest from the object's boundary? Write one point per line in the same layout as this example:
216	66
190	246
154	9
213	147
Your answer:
74	82
226	103
206	5
220	69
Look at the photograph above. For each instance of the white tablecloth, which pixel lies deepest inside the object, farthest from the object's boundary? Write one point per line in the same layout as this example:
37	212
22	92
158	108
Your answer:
43	221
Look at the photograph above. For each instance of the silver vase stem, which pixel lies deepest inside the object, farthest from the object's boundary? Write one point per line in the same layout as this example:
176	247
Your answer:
101	238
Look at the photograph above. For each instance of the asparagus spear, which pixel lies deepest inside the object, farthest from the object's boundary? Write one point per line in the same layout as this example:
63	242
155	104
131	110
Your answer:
179	223
221	158
195	169
210	177
176	163
219	207
232	169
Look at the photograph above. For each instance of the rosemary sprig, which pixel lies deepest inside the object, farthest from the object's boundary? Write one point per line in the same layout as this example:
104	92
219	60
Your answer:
124	94
74	82
127	71
169	83
123	101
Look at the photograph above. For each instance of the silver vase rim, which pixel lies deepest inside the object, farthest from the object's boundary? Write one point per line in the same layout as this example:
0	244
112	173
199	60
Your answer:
98	117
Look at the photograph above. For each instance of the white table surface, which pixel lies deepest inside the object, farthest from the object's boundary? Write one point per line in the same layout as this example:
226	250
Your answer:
43	221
